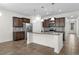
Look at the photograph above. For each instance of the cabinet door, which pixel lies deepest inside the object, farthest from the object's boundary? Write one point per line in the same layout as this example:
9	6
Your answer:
17	22
22	35
25	20
57	21
62	21
20	22
28	20
18	36
46	23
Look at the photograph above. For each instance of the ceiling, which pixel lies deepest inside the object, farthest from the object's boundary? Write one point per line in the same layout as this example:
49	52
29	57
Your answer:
43	9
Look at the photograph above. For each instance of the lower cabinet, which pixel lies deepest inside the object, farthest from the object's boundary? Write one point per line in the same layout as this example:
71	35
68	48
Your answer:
18	36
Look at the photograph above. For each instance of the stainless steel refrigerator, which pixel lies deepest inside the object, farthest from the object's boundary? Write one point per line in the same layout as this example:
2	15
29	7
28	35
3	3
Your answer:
27	28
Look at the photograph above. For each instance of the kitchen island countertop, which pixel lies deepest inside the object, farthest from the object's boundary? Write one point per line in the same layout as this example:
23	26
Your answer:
49	33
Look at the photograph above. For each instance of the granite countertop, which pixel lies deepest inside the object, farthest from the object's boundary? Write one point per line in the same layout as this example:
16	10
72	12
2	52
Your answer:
50	33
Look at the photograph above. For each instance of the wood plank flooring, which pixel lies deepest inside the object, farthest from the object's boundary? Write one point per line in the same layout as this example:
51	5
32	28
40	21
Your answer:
71	47
20	48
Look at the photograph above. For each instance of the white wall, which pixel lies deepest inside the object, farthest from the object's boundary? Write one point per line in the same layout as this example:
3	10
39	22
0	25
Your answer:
6	25
77	27
37	23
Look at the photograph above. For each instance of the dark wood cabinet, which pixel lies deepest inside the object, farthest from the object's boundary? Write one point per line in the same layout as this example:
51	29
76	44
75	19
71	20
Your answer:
18	36
57	22
60	22
26	20
20	22
46	23
57	25
17	22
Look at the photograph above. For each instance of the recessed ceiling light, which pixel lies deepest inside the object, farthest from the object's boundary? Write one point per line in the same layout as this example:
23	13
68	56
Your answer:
0	14
72	16
42	6
60	10
52	3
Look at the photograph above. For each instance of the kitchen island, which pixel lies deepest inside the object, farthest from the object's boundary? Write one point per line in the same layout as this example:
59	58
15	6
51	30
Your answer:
50	39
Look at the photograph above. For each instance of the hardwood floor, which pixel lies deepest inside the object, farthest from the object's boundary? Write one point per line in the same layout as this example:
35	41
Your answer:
71	47
20	48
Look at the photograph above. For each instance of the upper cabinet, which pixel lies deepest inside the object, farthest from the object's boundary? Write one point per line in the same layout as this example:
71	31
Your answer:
18	22
26	20
57	22
60	21
46	22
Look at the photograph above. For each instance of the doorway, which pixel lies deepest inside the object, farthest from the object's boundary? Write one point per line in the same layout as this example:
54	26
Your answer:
73	27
